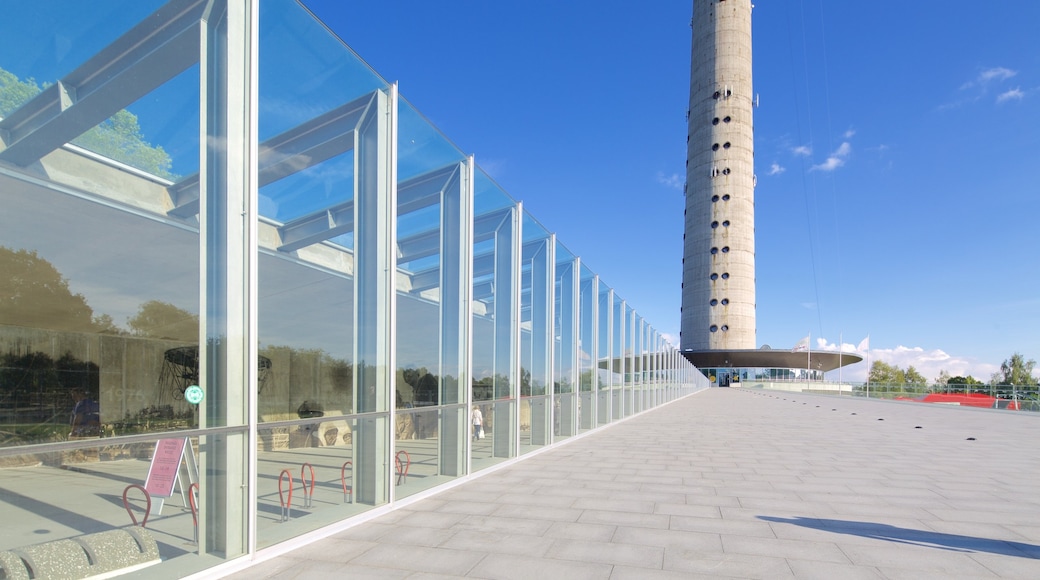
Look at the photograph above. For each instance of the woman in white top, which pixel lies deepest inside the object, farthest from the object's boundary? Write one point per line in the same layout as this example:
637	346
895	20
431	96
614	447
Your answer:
478	420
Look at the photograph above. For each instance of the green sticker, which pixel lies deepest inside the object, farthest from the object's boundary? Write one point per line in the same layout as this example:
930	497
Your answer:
193	394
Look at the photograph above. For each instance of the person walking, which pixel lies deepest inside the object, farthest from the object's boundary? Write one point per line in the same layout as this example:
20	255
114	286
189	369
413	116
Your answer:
478	422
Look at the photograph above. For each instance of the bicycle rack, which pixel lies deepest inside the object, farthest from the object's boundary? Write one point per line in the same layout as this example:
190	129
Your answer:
308	492
402	467
343	480
193	491
286	505
148	504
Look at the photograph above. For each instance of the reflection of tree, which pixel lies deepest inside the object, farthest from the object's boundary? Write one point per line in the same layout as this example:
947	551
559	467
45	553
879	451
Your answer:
34	294
119	137
36	390
155	319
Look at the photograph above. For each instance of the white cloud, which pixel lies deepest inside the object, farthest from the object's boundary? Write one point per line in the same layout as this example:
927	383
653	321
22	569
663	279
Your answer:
835	159
674	180
928	362
776	169
802	150
997	73
672	339
850	134
1013	94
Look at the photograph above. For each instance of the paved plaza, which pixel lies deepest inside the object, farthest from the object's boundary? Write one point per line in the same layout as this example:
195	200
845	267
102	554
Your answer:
727	483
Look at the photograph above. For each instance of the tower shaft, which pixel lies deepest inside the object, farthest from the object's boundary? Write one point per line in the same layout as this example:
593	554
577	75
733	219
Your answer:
718	297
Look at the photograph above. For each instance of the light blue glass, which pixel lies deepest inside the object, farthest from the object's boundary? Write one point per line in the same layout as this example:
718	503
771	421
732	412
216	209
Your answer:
536	327
496	263
588	301
565	337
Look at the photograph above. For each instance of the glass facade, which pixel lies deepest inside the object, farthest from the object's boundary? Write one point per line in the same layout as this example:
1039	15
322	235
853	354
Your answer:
248	292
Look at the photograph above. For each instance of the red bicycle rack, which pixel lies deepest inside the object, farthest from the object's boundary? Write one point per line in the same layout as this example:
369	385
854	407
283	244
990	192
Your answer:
148	504
402	467
193	502
308	491
343	479
286	505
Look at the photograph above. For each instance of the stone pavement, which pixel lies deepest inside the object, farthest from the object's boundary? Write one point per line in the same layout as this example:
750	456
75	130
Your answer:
727	483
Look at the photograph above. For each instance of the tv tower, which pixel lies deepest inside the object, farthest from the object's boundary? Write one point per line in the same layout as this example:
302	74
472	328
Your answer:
718	295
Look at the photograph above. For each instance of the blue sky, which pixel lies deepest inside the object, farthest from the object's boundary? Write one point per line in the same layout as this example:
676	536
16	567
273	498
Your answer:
897	150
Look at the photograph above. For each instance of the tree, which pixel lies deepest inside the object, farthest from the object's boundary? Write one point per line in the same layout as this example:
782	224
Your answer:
34	294
1017	371
118	137
156	319
885	374
912	377
943	378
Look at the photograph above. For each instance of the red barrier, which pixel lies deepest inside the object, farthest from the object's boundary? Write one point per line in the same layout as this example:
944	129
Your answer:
193	503
286	505
343	480
308	492
148	504
402	467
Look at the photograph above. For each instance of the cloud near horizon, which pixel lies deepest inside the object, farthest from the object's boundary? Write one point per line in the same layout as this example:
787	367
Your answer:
928	362
776	169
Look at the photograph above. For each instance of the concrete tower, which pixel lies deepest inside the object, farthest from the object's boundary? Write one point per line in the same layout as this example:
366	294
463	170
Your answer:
718	298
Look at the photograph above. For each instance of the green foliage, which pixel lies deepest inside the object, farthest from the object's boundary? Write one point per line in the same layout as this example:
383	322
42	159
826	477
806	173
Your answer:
118	138
912	377
34	294
156	319
14	93
1017	371
885	374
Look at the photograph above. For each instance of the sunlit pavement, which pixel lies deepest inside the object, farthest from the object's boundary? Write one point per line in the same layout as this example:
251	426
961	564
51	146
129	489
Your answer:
728	483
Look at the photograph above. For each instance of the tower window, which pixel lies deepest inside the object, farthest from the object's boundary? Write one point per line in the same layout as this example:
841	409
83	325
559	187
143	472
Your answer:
715	121
715	147
714	225
713	302
725	327
725	224
725	145
725	249
714	251
725	275
725	197
727	119
716	95
725	301
714	198
713	328
725	171
714	276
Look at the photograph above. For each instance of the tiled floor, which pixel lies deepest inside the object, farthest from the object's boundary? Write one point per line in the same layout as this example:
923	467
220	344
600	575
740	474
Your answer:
728	483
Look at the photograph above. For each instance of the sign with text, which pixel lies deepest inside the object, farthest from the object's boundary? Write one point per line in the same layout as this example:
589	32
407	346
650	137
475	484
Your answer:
166	463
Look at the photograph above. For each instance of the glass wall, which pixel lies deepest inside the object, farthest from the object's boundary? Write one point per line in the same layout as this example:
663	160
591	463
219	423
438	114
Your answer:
248	292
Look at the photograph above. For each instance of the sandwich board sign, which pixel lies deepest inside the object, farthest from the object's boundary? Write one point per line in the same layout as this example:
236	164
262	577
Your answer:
164	472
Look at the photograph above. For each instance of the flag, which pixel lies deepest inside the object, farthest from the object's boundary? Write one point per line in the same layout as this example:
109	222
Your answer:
801	345
864	345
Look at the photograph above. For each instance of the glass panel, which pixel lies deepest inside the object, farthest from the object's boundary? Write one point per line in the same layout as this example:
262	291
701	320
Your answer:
535	328
433	208
495	303
588	301
565	401
617	358
323	303
605	331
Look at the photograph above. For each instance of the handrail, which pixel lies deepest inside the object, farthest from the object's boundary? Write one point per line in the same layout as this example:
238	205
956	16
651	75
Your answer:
193	503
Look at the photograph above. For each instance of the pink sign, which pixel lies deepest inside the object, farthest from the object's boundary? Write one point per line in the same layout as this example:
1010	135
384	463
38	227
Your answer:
166	462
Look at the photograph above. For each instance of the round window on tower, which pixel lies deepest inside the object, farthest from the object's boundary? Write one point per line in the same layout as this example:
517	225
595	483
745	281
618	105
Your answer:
714	198
713	328
714	251
714	276
714	225
713	302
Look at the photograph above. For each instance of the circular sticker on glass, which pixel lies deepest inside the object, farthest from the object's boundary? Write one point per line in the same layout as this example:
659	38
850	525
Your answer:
193	394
